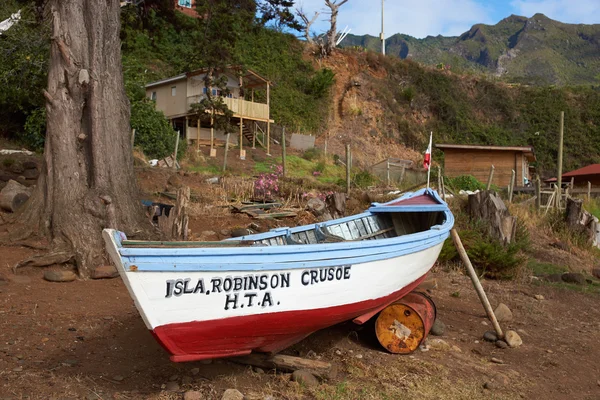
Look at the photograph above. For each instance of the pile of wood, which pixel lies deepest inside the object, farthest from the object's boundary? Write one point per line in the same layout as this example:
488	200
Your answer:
13	196
333	207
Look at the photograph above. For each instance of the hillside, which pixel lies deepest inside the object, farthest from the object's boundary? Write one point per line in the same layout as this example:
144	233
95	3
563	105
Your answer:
382	106
536	50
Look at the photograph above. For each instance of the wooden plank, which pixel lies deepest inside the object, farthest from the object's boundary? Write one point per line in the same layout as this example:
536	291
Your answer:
285	363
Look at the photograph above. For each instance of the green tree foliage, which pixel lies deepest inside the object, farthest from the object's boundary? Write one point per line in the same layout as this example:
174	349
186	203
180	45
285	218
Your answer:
153	133
24	52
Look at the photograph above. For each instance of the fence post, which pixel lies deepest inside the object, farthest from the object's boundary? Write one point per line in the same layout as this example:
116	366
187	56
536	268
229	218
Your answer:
589	193
132	137
283	153
439	171
511	186
388	171
348	169
226	150
176	148
538	193
489	182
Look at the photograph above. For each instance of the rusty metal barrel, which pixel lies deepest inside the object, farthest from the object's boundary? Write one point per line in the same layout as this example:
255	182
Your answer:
402	326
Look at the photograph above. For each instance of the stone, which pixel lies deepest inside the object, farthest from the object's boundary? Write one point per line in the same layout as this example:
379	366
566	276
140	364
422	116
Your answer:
428	284
18	369
232	394
206	361
17	168
195	371
304	377
192	395
29	164
225	232
496	360
118	378
539	297
560	245
503	313
438	328
359	356
175	181
490	336
259	370
501	344
173	378
105	272
438	344
573	277
490	385
172	386
484	323
513	339
241	232
596	273
59	276
31	173
187	380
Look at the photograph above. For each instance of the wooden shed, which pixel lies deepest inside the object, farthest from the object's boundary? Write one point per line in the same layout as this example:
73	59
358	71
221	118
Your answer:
476	160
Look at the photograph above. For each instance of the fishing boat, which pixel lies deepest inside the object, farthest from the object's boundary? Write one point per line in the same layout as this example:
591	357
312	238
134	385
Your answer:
264	292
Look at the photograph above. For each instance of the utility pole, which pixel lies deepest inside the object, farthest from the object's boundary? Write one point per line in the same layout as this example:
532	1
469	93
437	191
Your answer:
382	35
560	158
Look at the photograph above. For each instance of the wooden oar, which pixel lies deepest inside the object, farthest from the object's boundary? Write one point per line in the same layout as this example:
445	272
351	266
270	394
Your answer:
476	283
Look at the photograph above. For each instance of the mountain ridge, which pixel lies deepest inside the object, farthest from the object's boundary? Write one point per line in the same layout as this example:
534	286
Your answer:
536	50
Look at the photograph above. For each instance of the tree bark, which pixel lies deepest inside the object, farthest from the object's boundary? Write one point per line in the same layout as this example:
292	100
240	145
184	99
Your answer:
87	181
307	23
332	32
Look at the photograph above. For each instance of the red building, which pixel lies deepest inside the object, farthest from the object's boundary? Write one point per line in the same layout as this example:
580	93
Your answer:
582	176
186	6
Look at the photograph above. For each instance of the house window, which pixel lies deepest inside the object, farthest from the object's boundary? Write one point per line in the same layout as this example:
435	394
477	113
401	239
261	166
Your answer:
214	92
204	90
174	91
185	3
153	96
230	95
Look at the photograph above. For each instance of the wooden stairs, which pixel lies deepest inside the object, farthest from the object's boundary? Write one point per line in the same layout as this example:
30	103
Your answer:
248	134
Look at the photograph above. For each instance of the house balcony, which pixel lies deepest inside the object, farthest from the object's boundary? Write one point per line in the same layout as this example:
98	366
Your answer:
240	108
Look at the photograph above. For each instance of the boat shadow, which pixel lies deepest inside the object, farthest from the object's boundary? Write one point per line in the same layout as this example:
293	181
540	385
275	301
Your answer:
122	356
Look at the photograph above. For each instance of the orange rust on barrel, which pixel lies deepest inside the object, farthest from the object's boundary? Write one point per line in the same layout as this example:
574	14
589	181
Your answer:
402	326
133	268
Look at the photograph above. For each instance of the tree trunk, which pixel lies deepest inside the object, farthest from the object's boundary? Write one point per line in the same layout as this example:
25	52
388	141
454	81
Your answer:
332	32
87	181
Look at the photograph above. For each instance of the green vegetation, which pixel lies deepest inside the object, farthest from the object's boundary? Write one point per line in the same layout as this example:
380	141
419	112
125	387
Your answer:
534	50
489	256
593	207
153	133
477	111
464	182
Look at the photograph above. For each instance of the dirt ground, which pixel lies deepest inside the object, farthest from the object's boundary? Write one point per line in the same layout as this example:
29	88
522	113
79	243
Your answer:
86	340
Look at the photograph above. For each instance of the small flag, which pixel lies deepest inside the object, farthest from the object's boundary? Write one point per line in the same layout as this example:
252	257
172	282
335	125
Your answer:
427	160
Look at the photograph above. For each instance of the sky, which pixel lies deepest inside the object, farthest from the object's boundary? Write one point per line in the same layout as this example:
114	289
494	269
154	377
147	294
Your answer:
421	18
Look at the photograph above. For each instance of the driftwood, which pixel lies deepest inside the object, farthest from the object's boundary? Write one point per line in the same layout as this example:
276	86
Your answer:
285	363
13	196
175	226
336	205
581	221
488	206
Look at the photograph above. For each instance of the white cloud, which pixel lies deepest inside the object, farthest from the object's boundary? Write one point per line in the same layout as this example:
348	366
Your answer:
570	11
416	18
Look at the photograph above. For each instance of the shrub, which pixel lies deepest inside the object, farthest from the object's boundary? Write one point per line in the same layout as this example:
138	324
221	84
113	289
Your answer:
364	179
319	85
311	154
34	133
465	182
267	184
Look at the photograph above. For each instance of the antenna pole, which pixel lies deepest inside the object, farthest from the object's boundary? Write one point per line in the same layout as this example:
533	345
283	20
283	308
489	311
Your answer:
382	35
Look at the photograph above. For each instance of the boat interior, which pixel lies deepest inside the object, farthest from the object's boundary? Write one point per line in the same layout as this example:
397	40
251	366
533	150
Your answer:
368	226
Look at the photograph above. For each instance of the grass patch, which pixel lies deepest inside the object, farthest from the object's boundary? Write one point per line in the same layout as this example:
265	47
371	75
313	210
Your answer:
299	167
541	268
593	207
208	169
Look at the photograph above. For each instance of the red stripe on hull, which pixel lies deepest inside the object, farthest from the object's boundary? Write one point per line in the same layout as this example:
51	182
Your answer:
271	332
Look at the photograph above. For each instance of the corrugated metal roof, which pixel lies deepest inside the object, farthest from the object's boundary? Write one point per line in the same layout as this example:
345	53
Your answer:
592	169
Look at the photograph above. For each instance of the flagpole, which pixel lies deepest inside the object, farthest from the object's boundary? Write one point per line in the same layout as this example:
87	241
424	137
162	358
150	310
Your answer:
430	159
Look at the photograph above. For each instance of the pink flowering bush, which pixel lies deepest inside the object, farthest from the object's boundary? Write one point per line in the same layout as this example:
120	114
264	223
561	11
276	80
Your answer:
267	184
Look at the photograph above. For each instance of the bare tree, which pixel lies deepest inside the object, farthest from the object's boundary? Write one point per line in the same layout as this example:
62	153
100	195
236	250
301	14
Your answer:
307	23
87	181
334	6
